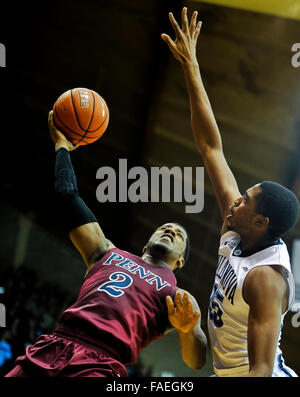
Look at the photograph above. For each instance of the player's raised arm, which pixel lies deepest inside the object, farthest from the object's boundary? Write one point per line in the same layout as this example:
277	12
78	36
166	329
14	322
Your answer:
85	231
205	129
184	315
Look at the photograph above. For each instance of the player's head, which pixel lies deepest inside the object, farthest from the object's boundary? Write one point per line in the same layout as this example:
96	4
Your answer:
267	208
280	205
170	244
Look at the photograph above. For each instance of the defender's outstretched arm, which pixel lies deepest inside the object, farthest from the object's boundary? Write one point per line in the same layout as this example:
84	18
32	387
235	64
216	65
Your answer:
205	129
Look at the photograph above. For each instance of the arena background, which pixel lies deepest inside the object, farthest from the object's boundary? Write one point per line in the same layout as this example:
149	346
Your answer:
114	47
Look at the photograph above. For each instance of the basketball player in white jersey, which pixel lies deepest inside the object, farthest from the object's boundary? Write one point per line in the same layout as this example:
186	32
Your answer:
253	287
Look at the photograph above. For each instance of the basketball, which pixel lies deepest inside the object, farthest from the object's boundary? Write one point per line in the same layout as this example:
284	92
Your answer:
81	115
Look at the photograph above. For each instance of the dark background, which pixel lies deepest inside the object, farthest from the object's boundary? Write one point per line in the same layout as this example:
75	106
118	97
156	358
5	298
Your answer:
114	47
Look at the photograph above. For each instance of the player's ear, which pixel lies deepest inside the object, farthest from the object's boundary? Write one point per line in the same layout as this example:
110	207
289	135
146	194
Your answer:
180	262
144	249
261	221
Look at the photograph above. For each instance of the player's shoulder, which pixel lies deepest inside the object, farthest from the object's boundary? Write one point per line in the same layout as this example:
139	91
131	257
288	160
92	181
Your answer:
263	273
263	280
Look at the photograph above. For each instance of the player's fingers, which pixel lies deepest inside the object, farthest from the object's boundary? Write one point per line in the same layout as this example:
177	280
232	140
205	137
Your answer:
178	300
196	314
172	46
197	31
193	23
189	305
170	43
184	20
170	304
55	133
185	299
168	40
174	24
73	147
50	117
52	130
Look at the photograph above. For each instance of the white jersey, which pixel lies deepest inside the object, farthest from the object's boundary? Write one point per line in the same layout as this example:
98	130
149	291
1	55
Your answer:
228	312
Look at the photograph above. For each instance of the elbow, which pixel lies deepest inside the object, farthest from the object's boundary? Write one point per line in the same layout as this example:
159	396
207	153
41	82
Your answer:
200	364
202	359
196	364
207	151
203	150
197	360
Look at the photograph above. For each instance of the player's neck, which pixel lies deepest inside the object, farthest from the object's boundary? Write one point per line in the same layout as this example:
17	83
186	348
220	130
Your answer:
155	262
250	243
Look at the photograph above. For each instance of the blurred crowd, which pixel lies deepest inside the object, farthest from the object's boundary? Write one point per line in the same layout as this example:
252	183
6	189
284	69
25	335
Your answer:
32	309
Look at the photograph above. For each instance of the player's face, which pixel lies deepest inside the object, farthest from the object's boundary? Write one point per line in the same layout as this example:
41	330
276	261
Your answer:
241	215
172	237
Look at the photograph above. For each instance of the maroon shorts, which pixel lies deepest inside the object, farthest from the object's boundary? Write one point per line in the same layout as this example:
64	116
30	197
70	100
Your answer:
53	355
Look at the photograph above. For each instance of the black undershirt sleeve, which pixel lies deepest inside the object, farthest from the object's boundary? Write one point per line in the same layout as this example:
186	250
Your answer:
72	209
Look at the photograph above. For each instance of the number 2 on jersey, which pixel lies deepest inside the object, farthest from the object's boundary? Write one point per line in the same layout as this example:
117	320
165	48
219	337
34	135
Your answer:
119	281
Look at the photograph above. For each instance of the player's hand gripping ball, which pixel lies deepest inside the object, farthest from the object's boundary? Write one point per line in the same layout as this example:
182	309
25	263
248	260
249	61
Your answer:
81	115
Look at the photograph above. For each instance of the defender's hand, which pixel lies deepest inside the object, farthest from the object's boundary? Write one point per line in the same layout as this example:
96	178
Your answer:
183	317
184	46
57	137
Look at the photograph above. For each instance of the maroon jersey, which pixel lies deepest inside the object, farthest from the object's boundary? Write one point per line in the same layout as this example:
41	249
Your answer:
121	306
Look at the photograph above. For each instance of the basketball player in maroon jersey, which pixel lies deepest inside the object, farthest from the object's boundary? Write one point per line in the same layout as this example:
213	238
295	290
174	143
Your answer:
125	302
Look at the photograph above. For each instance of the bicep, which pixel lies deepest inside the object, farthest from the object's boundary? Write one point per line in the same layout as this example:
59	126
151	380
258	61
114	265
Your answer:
90	241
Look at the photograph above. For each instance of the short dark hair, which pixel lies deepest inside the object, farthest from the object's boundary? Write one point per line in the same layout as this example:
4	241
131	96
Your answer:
280	205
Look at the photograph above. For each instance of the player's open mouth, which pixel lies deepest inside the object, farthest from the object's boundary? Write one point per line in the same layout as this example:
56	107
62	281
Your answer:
167	236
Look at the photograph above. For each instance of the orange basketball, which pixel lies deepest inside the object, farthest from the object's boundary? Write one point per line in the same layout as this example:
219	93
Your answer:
81	115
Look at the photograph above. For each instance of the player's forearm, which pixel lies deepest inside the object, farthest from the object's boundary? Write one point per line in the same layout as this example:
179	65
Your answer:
261	353
71	208
65	179
193	347
204	126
